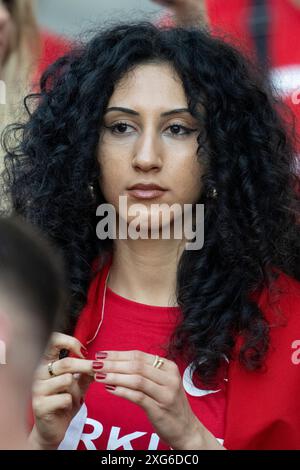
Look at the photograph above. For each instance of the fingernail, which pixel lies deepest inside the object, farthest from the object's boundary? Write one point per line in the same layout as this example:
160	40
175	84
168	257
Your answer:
97	365
110	387
84	352
101	355
81	401
100	376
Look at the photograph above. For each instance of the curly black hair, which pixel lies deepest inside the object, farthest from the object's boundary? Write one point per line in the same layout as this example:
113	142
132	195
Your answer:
251	228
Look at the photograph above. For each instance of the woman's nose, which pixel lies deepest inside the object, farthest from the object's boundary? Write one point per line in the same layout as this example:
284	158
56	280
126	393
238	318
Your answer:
148	153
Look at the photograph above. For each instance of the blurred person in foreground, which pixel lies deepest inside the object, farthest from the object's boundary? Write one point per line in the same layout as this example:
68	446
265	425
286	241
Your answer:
32	302
25	51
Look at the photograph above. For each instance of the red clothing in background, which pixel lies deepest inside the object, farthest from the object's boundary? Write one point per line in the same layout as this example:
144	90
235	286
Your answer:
230	19
233	16
283	41
53	46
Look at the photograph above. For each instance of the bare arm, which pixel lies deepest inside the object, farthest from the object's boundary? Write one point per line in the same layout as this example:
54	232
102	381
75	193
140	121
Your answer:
186	12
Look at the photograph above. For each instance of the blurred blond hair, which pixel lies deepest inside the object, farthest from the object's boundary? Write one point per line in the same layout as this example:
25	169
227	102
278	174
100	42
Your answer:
18	68
19	65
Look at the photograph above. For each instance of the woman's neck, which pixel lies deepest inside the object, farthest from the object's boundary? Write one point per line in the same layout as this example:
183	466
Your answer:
145	270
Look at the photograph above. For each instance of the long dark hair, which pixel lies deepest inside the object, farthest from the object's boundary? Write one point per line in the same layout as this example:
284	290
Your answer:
251	228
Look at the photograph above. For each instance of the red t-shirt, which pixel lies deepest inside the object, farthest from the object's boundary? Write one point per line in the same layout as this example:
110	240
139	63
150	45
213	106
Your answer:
116	423
262	408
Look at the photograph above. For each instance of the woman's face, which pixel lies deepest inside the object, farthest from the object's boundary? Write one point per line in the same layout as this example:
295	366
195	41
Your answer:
149	142
6	26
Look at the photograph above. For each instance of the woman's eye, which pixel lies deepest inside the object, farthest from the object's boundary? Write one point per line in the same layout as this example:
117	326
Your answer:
177	127
120	127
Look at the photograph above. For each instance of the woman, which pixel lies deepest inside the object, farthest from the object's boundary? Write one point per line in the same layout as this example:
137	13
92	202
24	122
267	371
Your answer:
177	348
25	52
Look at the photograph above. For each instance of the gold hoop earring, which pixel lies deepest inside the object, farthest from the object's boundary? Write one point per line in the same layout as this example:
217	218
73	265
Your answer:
92	190
212	193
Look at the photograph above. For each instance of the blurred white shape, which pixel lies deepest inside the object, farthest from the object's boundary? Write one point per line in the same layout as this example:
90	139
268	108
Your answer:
2	352
286	80
74	431
2	92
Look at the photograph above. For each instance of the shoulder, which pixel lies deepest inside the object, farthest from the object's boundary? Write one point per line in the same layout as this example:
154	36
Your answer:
280	302
283	288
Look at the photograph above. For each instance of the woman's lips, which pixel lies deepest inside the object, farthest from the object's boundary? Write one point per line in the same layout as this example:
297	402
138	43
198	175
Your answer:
146	193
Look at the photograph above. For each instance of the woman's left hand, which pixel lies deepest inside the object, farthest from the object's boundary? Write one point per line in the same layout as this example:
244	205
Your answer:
160	392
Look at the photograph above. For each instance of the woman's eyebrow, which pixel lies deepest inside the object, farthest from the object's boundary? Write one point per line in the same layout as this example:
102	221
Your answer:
135	113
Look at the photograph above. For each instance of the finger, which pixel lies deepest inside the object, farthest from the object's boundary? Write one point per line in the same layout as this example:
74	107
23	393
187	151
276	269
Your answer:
132	356
68	365
84	381
80	386
135	396
161	377
135	382
60	341
59	384
50	404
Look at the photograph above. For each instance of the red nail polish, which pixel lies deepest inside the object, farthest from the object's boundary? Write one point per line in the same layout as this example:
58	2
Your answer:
100	376
110	387
81	401
84	352
101	355
97	365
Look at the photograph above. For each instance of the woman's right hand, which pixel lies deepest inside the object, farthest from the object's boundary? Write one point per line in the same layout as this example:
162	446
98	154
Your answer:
56	400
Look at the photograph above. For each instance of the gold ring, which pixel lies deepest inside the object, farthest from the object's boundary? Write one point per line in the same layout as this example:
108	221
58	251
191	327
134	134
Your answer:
158	362
50	369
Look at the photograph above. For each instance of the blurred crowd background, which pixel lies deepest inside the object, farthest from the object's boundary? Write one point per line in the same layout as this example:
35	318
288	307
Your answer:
71	17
